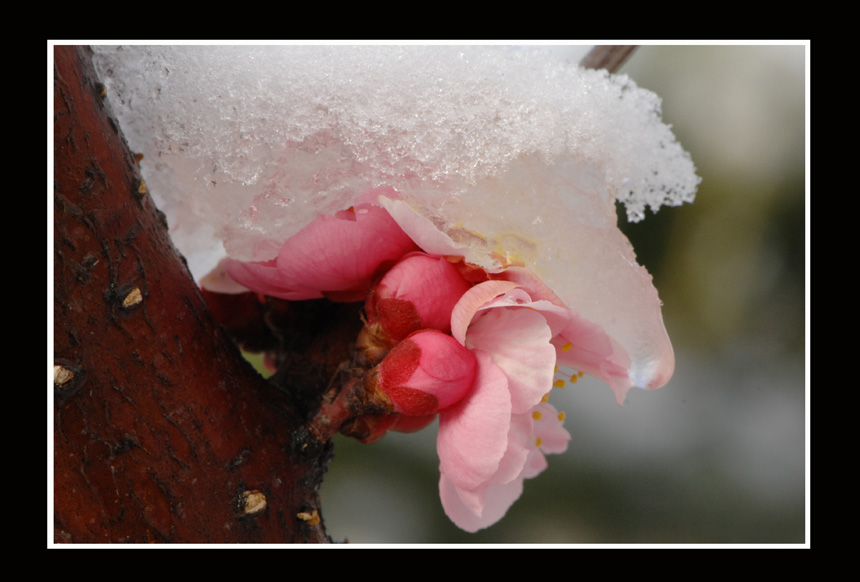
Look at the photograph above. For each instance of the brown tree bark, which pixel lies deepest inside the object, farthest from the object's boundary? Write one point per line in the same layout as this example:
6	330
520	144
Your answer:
609	57
162	431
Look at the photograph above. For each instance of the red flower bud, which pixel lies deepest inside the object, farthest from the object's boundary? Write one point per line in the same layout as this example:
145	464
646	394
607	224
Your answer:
427	372
419	292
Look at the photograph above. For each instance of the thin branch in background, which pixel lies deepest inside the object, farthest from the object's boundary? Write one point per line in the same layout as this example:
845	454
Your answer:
609	57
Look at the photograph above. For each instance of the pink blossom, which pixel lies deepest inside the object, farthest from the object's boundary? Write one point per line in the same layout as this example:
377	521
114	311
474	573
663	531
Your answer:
488	440
519	330
334	256
533	434
477	346
622	341
488	443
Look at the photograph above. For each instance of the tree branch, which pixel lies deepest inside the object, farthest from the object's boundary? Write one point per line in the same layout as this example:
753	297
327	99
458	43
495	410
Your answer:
162	431
609	57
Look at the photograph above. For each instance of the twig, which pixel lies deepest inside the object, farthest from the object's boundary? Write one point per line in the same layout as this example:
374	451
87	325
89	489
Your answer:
609	57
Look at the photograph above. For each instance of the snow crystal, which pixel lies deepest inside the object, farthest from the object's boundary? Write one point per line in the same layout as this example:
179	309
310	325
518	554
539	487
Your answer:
512	146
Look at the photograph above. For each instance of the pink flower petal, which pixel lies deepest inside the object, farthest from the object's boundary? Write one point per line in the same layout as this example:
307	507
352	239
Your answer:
472	301
622	302
342	253
518	341
520	443
535	465
549	429
486	507
528	280
584	345
474	509
473	435
267	279
556	317
425	234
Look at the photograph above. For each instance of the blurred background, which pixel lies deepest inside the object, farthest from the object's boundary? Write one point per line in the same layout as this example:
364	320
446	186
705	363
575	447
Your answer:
719	454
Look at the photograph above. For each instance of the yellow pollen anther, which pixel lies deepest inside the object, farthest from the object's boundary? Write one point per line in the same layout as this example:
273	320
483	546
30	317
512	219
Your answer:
555	370
558	384
539	442
580	374
561	416
537	415
574	378
545	397
566	347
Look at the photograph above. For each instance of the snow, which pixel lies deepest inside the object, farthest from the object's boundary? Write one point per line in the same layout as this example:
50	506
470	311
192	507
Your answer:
247	144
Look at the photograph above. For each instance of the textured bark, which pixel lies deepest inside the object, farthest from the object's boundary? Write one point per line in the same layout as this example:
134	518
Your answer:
609	57
162	431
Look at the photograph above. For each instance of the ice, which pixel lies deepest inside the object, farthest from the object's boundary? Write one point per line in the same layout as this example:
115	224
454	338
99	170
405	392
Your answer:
511	149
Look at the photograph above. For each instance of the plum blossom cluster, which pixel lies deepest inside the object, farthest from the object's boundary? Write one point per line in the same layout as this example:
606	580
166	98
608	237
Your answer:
444	338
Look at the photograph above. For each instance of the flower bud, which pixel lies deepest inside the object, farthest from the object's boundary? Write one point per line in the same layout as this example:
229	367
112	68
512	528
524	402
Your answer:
427	372
407	423
419	292
369	428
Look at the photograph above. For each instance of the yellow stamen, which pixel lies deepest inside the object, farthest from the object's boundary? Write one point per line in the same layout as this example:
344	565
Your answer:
566	347
558	384
545	397
539	442
574	378
561	417
580	374
537	415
